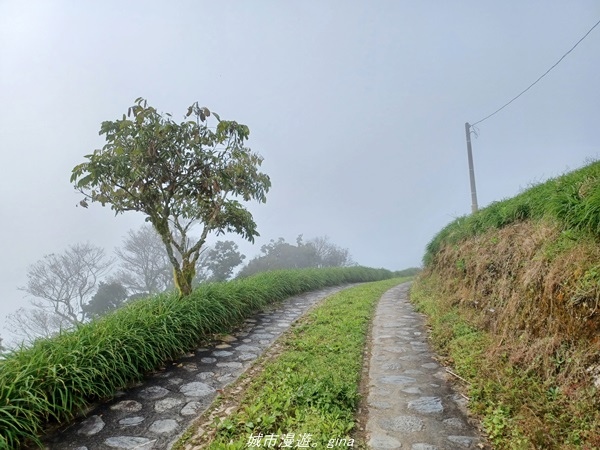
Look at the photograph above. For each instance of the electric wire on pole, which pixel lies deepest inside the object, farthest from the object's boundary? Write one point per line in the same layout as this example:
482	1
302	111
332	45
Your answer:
469	127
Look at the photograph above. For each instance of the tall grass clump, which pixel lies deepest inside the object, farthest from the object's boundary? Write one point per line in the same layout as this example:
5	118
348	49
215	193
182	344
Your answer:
53	380
572	200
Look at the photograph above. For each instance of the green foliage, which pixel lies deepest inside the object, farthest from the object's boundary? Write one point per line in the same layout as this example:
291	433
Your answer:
567	240
178	175
317	252
312	387
496	422
466	346
461	265
588	288
221	260
410	272
108	297
55	378
572	199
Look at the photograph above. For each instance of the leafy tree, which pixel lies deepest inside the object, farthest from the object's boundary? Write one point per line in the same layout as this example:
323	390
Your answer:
221	260
278	255
318	252
145	267
178	175
63	283
108	297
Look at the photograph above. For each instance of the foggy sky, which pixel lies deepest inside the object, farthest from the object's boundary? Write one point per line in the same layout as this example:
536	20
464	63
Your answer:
357	107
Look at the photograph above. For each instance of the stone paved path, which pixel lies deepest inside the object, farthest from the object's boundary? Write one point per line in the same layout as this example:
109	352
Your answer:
154	414
410	402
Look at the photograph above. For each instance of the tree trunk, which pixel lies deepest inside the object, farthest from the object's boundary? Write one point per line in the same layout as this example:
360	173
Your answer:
184	277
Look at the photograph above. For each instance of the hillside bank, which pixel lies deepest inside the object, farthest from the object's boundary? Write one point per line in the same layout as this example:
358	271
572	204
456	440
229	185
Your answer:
513	296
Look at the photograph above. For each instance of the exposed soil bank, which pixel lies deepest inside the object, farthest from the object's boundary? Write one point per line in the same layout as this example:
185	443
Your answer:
517	310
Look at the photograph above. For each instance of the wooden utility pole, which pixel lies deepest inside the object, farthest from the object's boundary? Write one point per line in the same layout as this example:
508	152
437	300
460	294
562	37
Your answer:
471	169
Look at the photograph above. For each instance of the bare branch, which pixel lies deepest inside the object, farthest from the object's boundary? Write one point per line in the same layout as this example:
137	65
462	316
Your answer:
66	282
30	324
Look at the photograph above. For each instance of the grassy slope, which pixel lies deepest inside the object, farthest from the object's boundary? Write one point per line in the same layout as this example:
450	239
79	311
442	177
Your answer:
311	389
513	293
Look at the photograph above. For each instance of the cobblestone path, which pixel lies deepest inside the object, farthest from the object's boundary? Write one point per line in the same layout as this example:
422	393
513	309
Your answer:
154	414
411	404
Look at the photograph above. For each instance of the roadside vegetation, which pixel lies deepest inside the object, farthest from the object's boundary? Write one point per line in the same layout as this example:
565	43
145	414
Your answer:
309	393
181	176
84	282
103	331
54	379
572	200
316	252
513	296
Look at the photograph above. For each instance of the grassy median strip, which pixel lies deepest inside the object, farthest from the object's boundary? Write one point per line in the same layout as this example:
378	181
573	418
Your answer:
308	395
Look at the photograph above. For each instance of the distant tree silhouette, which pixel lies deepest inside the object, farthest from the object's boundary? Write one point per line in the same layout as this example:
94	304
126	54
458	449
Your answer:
108	297
144	263
411	271
145	268
317	252
29	324
218	263
63	283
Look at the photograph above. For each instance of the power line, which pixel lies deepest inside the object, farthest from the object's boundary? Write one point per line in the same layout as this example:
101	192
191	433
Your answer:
536	81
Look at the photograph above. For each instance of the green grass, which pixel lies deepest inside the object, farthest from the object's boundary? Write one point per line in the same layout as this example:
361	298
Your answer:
573	200
464	346
531	292
54	379
312	387
451	333
520	408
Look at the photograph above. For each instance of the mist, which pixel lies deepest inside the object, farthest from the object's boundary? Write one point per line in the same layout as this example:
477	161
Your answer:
357	108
